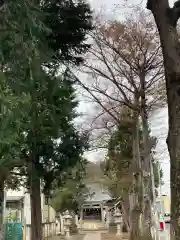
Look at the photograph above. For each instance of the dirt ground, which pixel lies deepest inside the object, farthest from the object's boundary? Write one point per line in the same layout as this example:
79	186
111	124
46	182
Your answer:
112	236
74	237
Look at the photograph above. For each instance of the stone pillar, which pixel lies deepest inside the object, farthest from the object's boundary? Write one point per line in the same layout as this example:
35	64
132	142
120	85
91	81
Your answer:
102	213
118	221
81	217
76	220
28	232
119	230
58	226
107	217
67	223
62	224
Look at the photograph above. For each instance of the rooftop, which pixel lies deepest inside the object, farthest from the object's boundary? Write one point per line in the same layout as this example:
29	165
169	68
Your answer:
14	198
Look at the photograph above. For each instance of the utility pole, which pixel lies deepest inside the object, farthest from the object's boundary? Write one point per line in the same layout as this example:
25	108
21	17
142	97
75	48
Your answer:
154	207
160	192
160	188
152	184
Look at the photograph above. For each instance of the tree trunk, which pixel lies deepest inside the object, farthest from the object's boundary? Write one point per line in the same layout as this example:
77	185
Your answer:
126	210
135	233
126	206
35	199
173	142
1	210
138	189
171	53
150	201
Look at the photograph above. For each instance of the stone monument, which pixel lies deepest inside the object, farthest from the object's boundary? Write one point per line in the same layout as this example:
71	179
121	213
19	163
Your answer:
67	223
118	221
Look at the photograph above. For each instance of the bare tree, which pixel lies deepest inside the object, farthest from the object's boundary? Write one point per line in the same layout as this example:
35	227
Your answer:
125	68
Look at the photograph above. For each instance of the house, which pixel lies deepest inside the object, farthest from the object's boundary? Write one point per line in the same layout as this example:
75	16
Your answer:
18	207
163	204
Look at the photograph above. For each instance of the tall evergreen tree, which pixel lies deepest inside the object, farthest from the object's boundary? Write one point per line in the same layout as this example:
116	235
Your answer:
53	144
10	136
69	22
33	37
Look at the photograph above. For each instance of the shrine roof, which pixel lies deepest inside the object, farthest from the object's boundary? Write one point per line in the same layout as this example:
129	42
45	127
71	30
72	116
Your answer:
98	194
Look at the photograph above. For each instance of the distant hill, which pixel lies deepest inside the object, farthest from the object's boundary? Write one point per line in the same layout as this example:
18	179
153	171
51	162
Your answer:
94	173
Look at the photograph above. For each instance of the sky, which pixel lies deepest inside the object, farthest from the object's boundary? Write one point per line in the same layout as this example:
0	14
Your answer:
158	122
159	129
109	3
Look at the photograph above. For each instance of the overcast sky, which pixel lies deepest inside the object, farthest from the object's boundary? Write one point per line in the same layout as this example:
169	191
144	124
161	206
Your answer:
109	3
158	122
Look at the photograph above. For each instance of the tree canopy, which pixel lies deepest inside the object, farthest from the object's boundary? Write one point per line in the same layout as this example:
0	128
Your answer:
37	39
33	37
118	162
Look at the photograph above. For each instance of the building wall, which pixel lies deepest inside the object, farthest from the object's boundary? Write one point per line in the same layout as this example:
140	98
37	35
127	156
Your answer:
13	193
52	213
27	209
26	213
166	204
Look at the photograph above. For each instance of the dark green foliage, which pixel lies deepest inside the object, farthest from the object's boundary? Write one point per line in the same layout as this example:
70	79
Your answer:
121	143
33	34
69	21
74	192
118	162
51	137
156	175
40	133
69	197
10	132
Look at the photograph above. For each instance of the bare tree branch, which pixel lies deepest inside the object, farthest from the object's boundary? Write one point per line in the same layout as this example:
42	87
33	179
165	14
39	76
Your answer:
121	53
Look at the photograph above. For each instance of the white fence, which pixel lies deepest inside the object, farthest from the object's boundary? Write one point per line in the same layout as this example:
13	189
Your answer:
49	229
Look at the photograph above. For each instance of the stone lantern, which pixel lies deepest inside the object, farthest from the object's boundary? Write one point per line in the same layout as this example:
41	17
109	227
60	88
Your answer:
67	223
118	221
